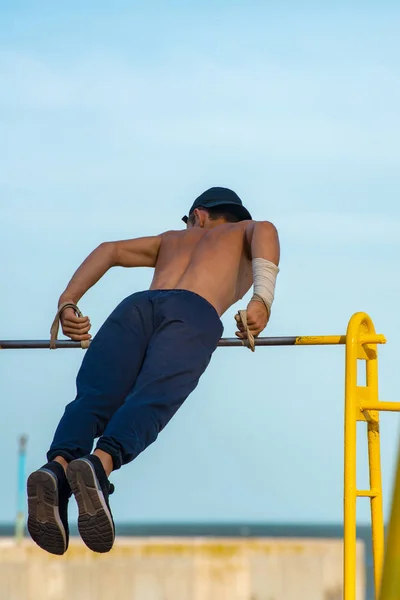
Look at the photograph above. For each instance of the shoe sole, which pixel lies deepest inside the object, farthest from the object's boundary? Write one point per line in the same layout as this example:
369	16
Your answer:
44	522
95	522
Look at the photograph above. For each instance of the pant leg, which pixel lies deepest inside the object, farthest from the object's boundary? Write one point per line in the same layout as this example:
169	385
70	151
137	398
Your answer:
187	331
107	375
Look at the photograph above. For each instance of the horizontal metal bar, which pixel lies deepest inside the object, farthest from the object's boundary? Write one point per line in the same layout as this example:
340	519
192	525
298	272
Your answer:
389	406
36	344
367	493
302	340
223	343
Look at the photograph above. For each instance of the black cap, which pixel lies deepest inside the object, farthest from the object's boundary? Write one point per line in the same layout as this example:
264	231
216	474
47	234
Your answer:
219	196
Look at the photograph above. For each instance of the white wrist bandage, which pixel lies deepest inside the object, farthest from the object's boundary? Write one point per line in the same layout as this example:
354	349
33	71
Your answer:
264	279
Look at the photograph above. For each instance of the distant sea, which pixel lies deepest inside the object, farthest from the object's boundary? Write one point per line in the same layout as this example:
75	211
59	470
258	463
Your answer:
292	530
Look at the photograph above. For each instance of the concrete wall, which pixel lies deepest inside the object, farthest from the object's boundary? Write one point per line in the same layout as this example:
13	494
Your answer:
179	569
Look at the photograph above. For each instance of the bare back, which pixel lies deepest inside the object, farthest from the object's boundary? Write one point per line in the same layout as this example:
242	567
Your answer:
214	263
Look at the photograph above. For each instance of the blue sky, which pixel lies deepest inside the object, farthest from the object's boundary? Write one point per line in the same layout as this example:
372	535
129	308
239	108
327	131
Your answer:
112	119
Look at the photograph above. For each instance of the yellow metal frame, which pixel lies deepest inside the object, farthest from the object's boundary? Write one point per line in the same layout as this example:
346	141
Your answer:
362	404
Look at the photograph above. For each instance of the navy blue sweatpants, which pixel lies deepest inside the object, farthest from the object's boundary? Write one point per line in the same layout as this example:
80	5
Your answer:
140	367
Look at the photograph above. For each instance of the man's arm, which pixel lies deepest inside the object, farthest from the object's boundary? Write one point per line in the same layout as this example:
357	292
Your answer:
140	252
263	248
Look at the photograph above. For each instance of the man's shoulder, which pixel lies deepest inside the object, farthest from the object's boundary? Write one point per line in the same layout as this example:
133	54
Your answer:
239	227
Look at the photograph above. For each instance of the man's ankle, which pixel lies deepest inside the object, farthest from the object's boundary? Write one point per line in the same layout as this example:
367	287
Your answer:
106	461
61	460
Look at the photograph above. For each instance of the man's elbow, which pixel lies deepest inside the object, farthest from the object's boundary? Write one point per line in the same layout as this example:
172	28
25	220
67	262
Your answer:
109	251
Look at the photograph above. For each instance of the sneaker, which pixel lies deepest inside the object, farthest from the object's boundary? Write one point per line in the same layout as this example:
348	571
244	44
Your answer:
91	489
48	495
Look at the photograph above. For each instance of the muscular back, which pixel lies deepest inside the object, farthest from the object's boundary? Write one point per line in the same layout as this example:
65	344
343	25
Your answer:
214	263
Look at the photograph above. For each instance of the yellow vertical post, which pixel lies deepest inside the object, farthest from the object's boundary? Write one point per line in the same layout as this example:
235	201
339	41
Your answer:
359	329
375	476
350	449
391	571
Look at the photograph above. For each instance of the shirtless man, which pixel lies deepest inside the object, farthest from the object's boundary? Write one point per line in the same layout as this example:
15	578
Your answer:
148	356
